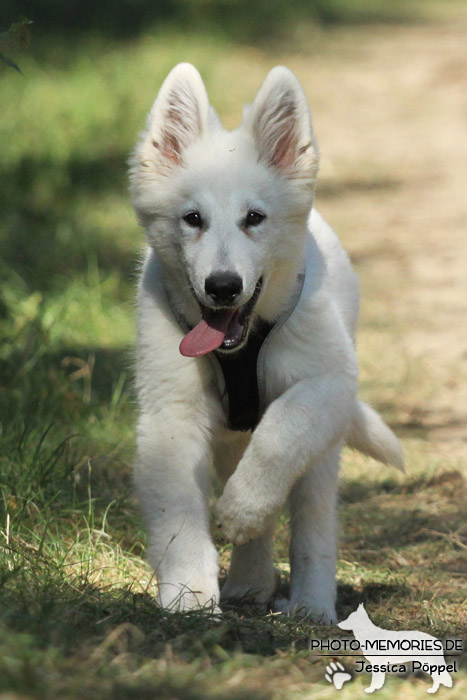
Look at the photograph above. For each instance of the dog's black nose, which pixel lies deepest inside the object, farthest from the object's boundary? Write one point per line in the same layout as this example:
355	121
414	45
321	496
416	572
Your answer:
223	287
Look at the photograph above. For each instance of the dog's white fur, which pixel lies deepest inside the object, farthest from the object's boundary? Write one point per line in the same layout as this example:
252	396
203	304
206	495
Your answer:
185	160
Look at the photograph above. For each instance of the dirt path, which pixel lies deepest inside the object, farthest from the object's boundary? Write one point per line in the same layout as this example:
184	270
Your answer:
392	124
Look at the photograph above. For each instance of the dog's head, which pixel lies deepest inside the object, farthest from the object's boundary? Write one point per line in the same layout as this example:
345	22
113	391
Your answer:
229	208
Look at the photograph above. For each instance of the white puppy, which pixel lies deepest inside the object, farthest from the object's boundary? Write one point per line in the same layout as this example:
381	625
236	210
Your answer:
245	357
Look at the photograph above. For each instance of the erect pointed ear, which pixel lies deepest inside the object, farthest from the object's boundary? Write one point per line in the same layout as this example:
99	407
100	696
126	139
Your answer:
178	117
280	122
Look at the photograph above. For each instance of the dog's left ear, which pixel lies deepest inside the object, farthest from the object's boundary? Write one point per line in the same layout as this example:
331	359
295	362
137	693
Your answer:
280	122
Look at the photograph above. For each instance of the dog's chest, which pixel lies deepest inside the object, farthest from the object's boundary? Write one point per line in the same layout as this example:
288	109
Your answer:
246	383
242	383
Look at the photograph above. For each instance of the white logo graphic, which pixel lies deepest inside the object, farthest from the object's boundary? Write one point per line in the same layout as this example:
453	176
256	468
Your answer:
337	675
403	651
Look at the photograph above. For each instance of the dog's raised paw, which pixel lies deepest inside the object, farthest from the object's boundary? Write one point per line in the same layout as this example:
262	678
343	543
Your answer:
236	528
239	522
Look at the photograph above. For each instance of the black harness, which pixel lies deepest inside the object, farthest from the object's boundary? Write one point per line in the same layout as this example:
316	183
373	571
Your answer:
241	374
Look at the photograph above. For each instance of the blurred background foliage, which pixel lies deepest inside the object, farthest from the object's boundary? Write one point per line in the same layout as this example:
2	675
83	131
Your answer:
242	20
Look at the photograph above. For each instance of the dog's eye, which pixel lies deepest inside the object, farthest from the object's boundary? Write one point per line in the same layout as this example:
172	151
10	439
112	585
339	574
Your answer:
254	218
193	219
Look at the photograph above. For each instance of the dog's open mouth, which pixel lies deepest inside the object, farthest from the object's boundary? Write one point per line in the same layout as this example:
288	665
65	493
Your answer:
225	329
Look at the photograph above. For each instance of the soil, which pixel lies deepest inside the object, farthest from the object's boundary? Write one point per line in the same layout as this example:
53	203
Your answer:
392	126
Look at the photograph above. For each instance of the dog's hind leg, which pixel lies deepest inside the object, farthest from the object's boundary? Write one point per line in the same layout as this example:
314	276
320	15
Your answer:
172	482
228	451
312	504
252	576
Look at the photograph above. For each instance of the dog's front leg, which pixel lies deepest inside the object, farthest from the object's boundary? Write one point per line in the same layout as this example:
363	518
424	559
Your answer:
252	575
297	430
171	475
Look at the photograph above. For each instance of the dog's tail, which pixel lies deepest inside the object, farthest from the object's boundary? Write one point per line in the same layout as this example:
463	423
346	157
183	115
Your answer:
369	434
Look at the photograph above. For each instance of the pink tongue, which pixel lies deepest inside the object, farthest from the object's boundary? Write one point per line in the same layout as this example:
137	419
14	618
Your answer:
208	334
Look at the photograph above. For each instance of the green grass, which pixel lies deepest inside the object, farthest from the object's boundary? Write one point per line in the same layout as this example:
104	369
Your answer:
77	612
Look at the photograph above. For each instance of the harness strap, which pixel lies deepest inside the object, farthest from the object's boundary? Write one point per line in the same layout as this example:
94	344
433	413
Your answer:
239	371
241	375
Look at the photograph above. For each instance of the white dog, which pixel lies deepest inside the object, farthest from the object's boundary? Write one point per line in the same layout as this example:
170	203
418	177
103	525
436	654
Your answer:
261	301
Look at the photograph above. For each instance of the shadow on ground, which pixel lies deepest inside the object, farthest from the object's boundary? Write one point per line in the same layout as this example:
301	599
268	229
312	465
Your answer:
44	236
85	632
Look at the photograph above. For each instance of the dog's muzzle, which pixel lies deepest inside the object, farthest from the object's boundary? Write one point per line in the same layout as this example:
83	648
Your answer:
225	328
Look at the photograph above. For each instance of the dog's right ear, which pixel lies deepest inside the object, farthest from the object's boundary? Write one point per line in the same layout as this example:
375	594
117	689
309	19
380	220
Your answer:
179	117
